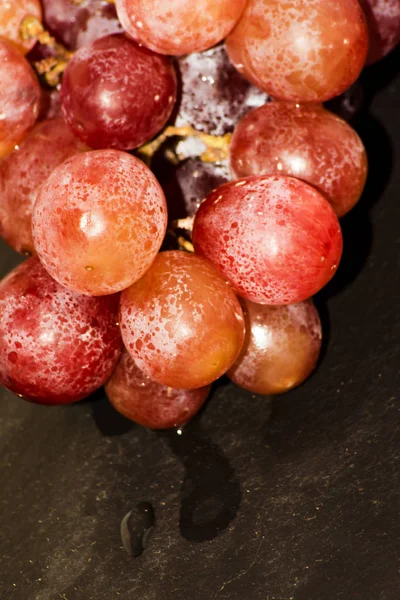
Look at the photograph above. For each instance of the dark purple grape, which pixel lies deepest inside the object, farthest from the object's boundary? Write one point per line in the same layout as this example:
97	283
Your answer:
214	95
189	183
383	19
76	24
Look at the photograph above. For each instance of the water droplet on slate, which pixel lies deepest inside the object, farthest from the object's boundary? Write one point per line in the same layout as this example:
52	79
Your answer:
136	528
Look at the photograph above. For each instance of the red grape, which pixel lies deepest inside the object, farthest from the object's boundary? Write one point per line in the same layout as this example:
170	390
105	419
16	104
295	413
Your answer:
148	403
383	19
19	97
281	349
116	94
181	323
275	239
300	50
307	142
77	24
12	14
99	221
56	346
214	95
179	26
47	145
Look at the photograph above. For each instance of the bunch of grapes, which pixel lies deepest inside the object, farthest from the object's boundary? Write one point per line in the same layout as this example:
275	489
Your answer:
138	131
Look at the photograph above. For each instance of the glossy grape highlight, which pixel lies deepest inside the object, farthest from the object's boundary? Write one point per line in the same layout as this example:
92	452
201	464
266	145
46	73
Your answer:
304	141
281	349
99	221
116	94
181	323
300	50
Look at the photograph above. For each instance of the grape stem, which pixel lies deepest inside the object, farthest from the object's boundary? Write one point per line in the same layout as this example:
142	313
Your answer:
217	147
54	66
186	224
181	242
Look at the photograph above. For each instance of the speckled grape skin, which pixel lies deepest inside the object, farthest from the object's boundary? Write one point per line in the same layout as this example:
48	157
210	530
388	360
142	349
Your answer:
300	50
383	19
19	97
21	174
99	221
56	346
77	24
179	27
116	94
275	239
181	323
12	14
137	397
304	141
281	349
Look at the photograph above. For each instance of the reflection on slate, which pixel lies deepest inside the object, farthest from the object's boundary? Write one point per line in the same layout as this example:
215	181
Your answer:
291	498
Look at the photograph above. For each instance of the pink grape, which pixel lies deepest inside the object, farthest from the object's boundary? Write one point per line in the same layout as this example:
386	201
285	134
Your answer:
300	50
21	174
281	348
19	97
12	15
99	221
307	142
137	397
181	323
116	94
179	27
77	24
56	346
275	239
383	19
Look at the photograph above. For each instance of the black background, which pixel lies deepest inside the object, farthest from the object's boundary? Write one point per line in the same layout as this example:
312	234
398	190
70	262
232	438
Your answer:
291	498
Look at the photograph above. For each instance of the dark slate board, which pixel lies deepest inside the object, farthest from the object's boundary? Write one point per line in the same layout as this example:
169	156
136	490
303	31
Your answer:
295	497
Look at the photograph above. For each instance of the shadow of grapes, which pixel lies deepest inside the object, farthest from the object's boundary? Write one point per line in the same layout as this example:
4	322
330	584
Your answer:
210	492
109	422
356	226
